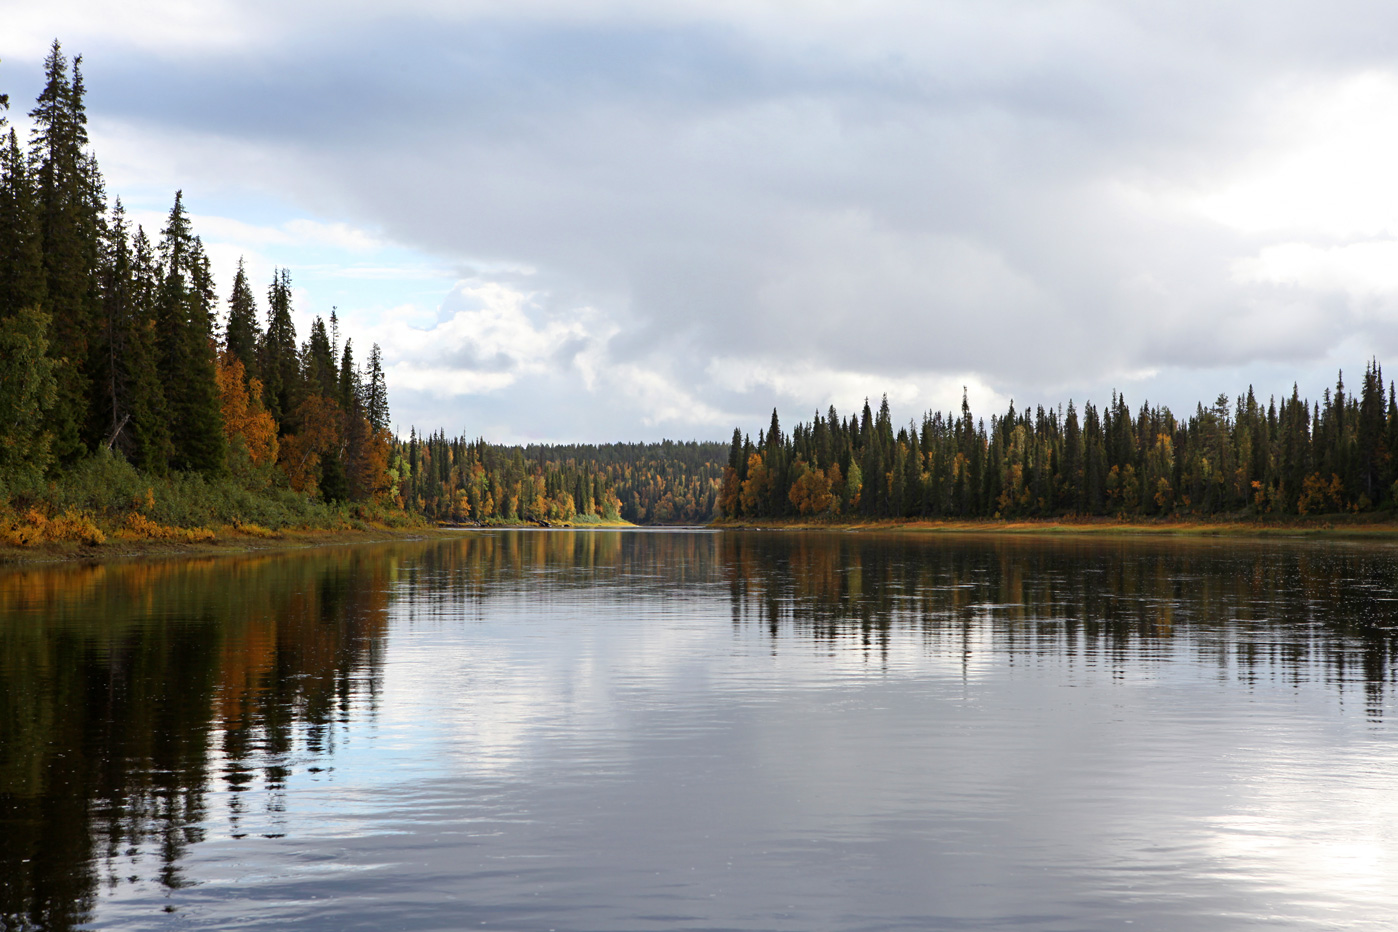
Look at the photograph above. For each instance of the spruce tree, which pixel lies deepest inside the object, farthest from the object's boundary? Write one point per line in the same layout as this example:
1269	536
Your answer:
243	333
21	258
278	360
351	389
319	372
129	411
68	209
112	411
146	440
187	362
376	391
1373	419
27	390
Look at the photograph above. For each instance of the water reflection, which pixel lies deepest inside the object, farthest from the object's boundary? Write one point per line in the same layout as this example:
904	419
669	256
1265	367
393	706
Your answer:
1299	610
146	706
128	690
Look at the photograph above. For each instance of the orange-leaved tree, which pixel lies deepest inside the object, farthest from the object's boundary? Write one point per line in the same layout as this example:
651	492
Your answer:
320	436
245	420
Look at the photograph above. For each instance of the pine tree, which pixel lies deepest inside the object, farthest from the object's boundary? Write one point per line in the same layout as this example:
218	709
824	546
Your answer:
128	413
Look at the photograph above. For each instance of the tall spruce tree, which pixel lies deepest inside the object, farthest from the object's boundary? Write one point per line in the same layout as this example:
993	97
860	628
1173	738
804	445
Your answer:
112	411
187	364
278	360
147	438
68	195
376	391
243	333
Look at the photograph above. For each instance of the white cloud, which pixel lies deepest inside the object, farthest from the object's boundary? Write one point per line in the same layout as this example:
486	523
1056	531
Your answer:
1367	269
660	399
847	390
488	337
1331	171
156	25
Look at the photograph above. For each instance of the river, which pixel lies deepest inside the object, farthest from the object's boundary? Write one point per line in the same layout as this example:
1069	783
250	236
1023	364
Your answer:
617	730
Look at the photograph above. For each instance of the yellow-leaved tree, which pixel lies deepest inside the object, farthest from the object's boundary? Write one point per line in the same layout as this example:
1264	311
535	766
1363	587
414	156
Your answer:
245	421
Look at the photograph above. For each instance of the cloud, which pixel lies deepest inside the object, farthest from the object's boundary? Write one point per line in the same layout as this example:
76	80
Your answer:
1366	269
486	339
714	208
847	390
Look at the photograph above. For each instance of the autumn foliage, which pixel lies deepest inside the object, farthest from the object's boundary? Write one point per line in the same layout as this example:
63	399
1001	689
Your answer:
246	420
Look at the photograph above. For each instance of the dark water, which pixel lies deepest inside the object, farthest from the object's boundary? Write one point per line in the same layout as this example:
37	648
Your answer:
632	730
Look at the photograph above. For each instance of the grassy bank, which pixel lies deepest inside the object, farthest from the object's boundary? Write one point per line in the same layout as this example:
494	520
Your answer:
103	505
1340	525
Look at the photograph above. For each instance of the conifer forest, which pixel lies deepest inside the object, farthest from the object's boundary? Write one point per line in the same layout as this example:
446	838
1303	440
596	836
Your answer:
112	345
1237	456
118	347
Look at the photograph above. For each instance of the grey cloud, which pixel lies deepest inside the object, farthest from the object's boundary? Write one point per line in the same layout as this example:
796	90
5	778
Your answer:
933	191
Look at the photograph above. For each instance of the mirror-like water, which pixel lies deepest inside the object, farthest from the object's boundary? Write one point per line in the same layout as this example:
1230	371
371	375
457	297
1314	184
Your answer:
695	730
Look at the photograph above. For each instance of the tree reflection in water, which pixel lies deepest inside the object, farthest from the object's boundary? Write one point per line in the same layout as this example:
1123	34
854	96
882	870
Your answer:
1259	609
127	690
136	697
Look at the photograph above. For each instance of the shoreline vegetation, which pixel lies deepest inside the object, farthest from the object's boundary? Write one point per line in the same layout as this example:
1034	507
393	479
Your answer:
1239	459
76	536
142	412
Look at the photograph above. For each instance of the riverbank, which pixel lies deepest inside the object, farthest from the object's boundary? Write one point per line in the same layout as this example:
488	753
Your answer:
1322	526
228	540
77	538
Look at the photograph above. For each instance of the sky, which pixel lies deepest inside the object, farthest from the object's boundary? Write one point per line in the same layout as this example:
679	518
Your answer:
621	220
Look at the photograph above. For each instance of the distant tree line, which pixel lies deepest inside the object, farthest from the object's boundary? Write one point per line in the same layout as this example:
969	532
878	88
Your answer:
1236	456
471	481
110	339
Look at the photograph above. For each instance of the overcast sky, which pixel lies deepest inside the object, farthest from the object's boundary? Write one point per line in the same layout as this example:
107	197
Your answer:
628	220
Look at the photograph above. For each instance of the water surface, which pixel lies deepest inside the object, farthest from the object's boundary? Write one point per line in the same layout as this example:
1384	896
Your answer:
697	730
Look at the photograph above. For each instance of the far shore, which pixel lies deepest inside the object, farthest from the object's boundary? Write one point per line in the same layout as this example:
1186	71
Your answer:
231	540
1321	526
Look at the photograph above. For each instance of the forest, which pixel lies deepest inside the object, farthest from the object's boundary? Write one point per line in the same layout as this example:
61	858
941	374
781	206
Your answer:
136	397
131	390
1236	456
111	350
473	482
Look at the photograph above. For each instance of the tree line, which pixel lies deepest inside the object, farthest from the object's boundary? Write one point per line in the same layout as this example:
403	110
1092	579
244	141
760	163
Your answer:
1236	456
109	337
474	482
